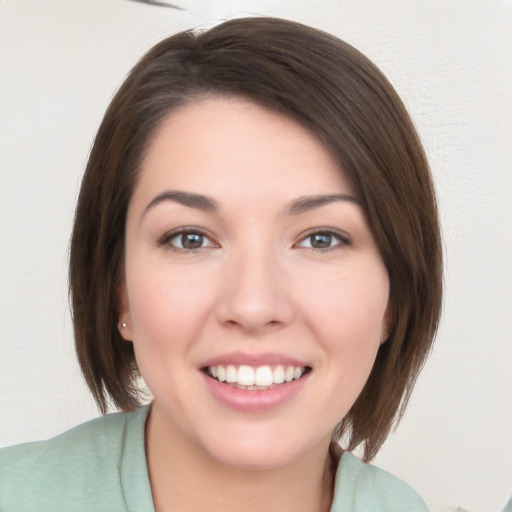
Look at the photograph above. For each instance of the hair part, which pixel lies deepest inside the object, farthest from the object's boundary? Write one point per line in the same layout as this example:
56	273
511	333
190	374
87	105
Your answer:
341	97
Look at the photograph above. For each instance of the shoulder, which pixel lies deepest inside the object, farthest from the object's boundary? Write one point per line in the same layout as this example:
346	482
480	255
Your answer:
98	439
361	487
71	467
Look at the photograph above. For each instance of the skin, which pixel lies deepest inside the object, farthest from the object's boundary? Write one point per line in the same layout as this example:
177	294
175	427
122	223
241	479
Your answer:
255	286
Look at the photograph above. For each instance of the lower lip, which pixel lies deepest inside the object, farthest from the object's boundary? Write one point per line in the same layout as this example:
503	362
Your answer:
254	401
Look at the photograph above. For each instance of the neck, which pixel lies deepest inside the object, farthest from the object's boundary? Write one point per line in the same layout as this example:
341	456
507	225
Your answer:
185	478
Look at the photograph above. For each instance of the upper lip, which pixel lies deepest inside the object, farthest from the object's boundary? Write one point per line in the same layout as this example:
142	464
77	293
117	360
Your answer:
255	360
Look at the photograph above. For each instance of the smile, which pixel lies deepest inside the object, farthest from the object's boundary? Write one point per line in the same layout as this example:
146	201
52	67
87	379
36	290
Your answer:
258	378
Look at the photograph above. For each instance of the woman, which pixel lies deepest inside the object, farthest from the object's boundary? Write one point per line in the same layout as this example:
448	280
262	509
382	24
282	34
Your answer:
257	236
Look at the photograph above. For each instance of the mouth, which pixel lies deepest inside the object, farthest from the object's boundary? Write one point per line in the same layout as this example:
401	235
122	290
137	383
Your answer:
258	378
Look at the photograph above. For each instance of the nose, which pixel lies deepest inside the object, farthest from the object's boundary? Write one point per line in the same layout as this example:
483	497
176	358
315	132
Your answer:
254	296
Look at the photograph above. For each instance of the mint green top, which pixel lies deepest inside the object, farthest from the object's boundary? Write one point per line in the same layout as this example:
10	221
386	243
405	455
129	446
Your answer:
101	466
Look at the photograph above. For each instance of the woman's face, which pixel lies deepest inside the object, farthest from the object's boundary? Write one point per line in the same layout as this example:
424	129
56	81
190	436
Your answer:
254	293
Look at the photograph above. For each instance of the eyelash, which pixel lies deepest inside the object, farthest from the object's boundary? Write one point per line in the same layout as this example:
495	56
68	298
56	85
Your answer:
340	238
169	237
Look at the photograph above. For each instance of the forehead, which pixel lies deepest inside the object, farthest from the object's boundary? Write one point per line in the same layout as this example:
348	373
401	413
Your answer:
221	145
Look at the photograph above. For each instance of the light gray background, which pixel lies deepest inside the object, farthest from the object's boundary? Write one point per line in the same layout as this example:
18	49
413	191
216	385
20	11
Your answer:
60	63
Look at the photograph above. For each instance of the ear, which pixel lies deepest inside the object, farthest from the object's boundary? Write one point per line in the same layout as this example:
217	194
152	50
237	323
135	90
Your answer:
124	323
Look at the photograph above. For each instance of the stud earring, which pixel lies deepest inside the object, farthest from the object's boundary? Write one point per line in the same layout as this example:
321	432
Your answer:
124	325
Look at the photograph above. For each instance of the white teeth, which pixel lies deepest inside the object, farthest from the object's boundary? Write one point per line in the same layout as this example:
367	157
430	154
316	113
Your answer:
264	376
259	378
231	373
245	376
278	375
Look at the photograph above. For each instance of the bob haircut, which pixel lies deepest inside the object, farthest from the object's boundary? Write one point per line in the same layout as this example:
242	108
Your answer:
334	91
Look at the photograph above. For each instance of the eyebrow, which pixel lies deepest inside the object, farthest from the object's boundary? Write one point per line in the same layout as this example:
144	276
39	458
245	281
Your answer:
306	203
189	199
207	204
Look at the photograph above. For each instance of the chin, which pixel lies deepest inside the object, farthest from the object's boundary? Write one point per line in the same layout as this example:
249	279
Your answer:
260	452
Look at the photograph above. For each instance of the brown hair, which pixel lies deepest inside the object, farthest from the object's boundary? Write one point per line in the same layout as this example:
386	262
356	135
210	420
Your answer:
337	93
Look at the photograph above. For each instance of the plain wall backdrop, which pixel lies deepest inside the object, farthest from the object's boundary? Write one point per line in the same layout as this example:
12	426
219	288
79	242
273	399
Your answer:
451	61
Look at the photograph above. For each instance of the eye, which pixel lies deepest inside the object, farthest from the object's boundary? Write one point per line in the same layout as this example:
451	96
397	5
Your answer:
323	240
186	240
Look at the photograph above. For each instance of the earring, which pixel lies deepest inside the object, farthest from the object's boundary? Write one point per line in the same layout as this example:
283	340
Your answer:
124	325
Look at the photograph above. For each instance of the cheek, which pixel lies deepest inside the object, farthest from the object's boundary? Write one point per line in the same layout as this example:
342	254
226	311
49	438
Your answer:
167	314
348	315
166	309
352	304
